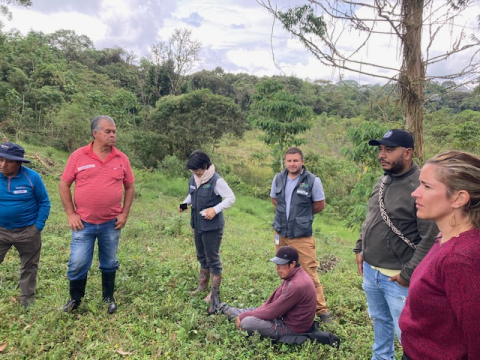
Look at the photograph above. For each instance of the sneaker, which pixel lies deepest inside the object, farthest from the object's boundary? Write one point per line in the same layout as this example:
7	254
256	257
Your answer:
325	318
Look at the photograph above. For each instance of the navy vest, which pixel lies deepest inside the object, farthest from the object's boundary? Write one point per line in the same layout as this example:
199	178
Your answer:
203	198
300	218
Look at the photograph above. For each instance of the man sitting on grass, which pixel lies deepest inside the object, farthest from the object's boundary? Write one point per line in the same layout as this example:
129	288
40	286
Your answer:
291	307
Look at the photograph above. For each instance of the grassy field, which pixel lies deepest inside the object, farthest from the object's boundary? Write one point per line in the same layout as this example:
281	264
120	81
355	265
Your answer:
156	317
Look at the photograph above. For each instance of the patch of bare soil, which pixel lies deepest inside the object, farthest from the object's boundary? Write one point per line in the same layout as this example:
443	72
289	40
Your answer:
327	263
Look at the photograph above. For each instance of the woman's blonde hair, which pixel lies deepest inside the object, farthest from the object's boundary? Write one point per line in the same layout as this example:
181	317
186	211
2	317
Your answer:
459	170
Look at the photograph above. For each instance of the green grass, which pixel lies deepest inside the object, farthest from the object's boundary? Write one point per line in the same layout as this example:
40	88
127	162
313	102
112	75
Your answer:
156	317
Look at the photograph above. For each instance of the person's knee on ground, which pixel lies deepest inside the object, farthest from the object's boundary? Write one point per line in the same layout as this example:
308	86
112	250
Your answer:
249	324
252	324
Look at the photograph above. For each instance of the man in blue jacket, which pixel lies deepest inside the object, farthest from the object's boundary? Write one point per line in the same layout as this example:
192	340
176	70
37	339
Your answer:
24	209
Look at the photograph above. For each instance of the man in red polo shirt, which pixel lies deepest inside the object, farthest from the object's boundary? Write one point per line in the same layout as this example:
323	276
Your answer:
102	176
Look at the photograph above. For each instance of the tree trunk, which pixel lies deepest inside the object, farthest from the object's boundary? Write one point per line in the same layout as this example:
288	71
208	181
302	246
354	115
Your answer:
412	76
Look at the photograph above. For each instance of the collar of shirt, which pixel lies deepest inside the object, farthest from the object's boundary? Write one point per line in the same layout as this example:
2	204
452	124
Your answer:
89	151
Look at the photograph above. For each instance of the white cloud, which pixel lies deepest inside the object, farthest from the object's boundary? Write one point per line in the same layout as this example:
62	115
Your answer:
235	34
26	20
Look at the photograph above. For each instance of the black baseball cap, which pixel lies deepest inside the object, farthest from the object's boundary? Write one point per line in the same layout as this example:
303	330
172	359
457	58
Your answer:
13	151
395	137
284	255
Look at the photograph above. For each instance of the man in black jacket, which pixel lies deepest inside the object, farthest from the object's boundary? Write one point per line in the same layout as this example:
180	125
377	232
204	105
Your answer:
393	240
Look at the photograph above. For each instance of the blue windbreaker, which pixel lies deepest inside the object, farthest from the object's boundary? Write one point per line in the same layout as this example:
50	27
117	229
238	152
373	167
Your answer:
23	200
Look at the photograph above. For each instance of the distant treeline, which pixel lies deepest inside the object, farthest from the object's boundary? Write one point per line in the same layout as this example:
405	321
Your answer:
51	85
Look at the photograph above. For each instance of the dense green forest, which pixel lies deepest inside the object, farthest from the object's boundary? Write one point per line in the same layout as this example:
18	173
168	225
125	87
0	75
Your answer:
51	85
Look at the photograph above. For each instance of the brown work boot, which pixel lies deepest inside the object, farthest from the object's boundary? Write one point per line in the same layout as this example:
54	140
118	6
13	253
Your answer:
203	279
215	298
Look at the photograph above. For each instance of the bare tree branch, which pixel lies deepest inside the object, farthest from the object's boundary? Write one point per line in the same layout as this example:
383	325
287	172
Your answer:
321	25
180	54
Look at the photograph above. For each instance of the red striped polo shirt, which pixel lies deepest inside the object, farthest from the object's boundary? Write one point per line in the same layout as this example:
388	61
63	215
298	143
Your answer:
98	189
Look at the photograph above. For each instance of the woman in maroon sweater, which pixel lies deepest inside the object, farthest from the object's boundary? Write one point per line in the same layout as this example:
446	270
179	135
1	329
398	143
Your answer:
441	319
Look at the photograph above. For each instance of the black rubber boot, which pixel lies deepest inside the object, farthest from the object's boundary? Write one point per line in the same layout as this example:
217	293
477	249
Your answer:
215	299
108	286
77	292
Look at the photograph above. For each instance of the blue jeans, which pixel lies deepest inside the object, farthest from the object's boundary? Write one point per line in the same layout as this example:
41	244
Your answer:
83	243
385	300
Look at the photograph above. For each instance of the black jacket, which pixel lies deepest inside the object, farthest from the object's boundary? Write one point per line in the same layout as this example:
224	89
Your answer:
379	245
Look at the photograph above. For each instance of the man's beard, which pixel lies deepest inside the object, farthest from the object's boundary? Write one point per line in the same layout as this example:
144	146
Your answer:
398	167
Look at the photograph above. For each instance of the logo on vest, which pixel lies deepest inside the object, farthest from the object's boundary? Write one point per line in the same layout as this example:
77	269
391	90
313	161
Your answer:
303	189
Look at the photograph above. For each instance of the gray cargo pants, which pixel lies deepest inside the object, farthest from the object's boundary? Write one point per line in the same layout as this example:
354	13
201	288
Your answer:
271	328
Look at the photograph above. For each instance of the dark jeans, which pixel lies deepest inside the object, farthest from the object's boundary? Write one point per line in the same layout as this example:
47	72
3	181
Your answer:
207	244
28	242
406	357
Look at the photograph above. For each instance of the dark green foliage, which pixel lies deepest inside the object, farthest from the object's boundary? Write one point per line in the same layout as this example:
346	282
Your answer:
196	120
338	176
361	152
71	125
217	81
144	147
244	85
72	46
153	82
446	130
173	167
366	156
280	115
302	20
466	136
51	85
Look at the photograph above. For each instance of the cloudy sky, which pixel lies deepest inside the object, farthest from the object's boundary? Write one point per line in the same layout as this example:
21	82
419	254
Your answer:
235	34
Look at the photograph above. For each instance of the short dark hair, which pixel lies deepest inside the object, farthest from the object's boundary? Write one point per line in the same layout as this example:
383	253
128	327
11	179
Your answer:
294	150
198	160
297	264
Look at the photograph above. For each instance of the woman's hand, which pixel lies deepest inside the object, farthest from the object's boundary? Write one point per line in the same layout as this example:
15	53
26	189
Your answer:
210	214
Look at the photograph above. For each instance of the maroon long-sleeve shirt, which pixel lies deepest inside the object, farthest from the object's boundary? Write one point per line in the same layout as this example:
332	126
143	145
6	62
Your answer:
441	319
295	300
